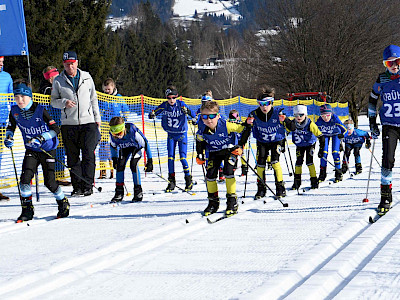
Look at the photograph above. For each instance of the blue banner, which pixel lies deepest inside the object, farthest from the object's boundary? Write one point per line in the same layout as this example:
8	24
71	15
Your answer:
13	38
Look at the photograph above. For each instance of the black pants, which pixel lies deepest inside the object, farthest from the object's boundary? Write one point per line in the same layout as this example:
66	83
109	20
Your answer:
214	162
390	138
308	151
263	150
81	139
30	164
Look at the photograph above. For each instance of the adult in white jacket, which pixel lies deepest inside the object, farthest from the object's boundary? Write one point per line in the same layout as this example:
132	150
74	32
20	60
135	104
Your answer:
74	93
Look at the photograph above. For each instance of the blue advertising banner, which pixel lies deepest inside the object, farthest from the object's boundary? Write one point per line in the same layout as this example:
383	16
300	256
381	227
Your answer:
13	38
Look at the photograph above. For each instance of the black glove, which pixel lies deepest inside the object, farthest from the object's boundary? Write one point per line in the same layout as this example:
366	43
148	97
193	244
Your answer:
340	136
115	162
367	143
321	153
149	165
283	148
374	128
185	110
152	115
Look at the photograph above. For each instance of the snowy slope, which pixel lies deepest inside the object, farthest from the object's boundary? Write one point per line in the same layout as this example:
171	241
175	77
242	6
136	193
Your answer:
186	9
321	246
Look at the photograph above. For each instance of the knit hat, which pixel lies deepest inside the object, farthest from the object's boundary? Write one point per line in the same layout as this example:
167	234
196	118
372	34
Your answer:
171	92
325	109
300	109
391	51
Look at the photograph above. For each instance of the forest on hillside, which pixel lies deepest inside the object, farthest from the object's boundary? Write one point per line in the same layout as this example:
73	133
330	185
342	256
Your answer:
293	45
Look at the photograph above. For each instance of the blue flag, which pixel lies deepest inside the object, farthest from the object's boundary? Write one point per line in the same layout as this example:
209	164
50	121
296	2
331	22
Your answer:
13	38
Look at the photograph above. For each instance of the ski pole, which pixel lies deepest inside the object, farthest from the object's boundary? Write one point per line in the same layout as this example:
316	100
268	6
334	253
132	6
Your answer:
77	175
183	190
247	163
158	151
16	175
372	153
369	173
37	186
194	140
267	186
287	166
331	164
290	156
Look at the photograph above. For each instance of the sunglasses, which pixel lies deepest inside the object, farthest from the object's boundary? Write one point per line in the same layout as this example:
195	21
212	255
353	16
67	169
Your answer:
298	115
210	116
172	97
392	62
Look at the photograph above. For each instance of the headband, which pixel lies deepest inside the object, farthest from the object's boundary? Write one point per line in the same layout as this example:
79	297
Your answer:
117	128
22	89
50	73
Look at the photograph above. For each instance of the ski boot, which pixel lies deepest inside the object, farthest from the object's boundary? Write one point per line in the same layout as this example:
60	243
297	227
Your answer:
137	193
338	175
76	192
102	174
188	182
358	168
297	182
322	174
314	182
171	183
213	204
63	208
244	170
3	197
261	190
280	189
386	199
231	205
27	209
345	167
221	175
119	193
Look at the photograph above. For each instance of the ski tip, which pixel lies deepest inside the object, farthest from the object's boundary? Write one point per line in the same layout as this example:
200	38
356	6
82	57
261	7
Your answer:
19	221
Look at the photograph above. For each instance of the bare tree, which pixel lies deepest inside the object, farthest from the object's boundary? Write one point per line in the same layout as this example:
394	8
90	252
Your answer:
332	46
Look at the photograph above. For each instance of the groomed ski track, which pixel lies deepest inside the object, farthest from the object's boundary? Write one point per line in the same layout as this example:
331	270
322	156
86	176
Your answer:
320	247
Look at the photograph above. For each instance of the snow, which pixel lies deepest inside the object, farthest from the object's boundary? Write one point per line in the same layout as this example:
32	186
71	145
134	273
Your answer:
321	246
186	9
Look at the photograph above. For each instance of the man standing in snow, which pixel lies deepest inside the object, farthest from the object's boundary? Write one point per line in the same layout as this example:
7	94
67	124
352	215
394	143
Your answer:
6	87
74	93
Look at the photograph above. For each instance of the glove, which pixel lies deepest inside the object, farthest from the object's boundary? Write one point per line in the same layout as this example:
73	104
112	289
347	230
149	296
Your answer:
283	148
200	159
194	121
367	143
185	110
321	153
9	142
115	162
37	141
374	128
149	165
152	115
237	150
340	136
250	121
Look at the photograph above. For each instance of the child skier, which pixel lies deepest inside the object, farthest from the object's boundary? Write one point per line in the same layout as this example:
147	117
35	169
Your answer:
304	137
218	137
39	131
129	140
387	86
270	132
174	122
332	129
354	141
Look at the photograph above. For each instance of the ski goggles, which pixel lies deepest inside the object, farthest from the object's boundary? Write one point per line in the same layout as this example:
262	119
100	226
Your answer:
350	126
266	101
116	130
210	116
392	62
298	115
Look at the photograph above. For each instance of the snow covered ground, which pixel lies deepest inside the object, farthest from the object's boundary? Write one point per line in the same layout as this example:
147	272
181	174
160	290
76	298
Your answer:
321	246
186	9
